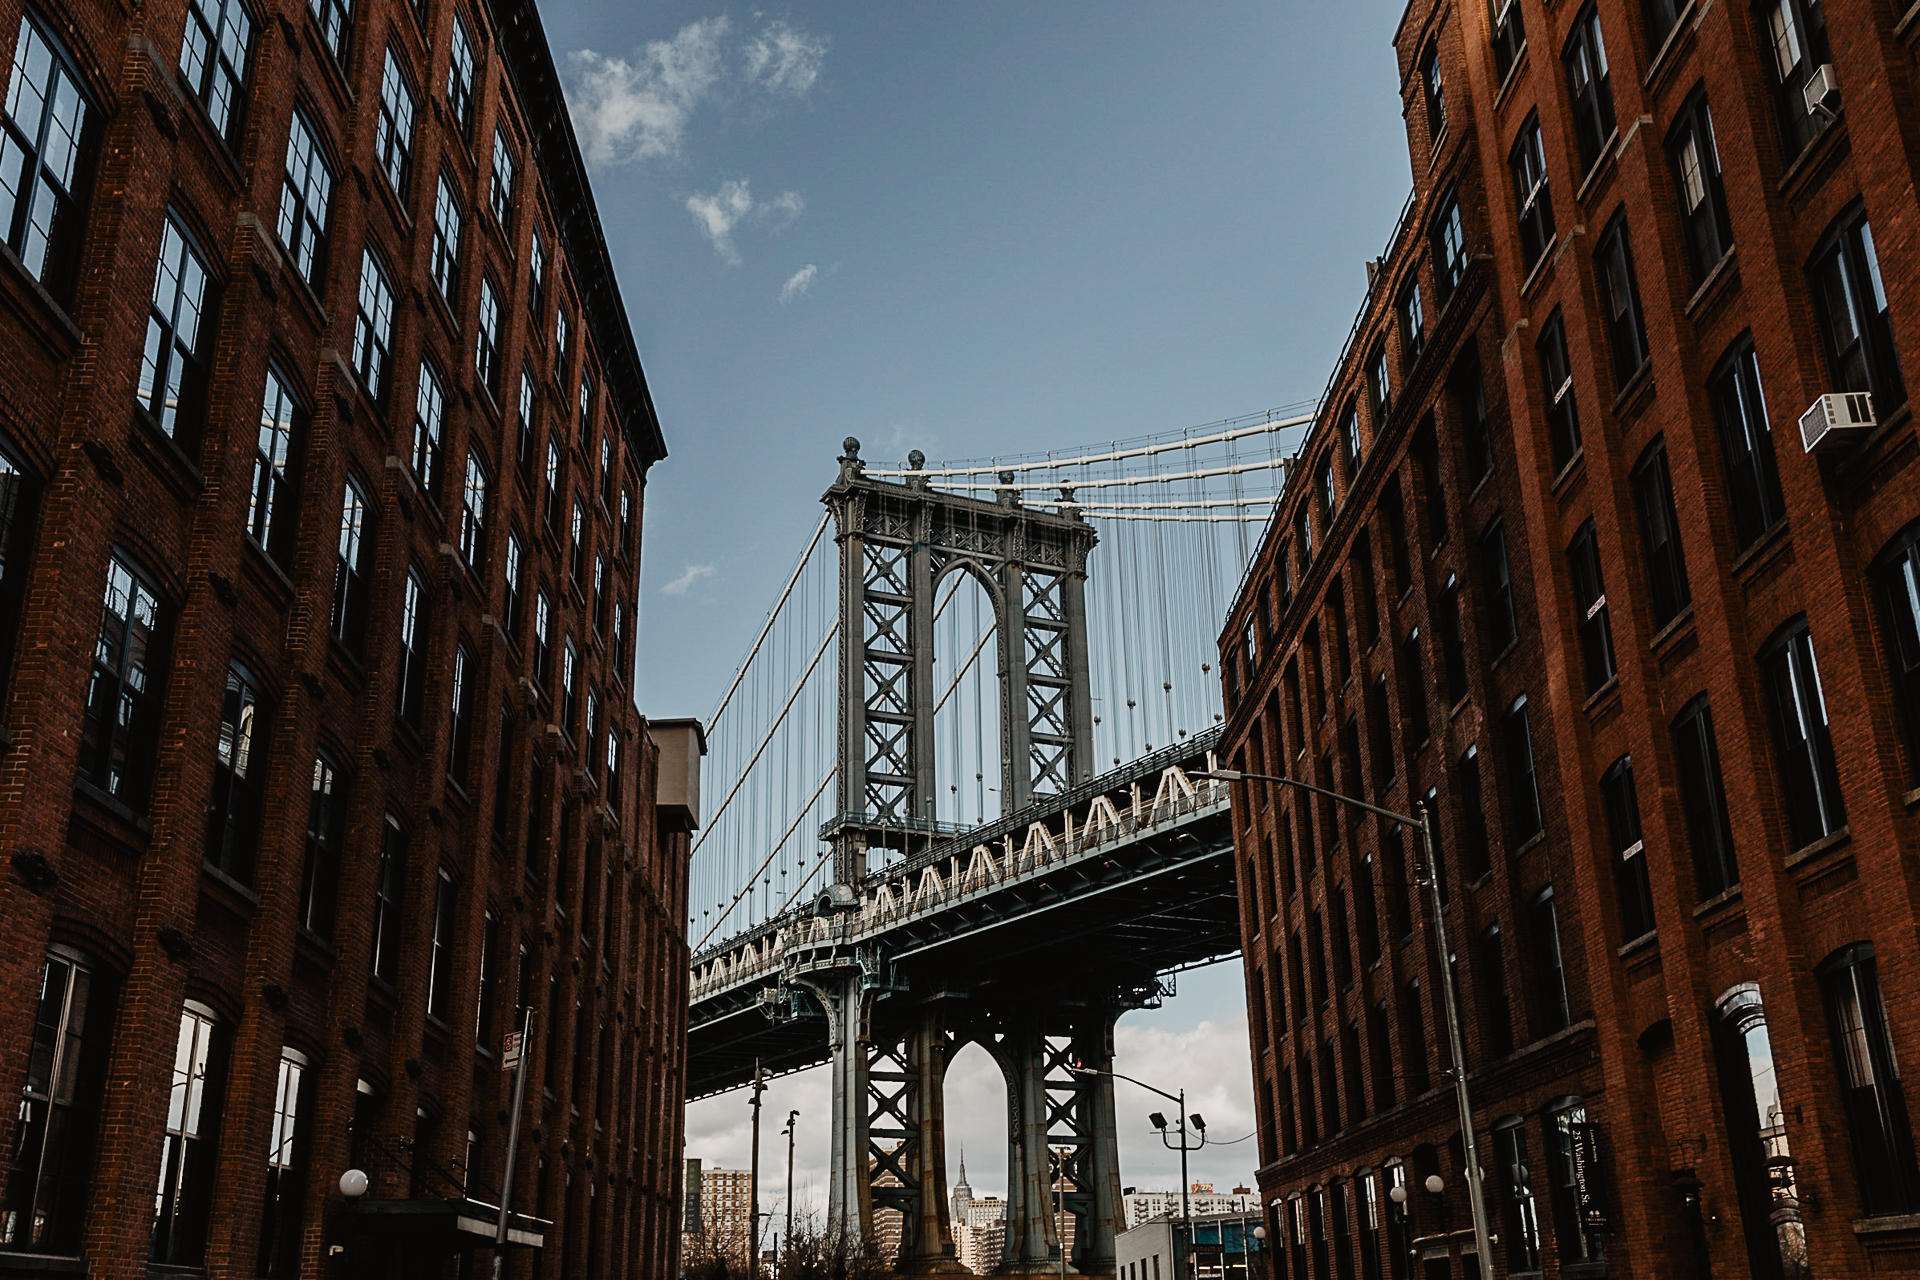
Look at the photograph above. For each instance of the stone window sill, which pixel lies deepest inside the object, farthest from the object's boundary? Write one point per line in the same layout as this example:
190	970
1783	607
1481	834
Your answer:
1825	844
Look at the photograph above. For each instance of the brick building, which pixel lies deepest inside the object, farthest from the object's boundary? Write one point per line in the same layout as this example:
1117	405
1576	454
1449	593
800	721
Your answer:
324	440
1556	559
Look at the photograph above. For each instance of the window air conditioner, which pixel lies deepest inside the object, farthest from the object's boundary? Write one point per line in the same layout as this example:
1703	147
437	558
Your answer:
1834	420
1823	92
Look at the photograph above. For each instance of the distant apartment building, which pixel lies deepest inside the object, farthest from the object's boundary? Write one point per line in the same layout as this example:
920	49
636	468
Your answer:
724	1224
1144	1206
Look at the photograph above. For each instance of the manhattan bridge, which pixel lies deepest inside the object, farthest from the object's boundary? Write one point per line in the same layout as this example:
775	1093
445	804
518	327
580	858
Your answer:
963	798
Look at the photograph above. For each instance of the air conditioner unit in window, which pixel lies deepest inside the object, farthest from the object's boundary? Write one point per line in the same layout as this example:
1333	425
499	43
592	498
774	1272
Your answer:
1823	92
1834	420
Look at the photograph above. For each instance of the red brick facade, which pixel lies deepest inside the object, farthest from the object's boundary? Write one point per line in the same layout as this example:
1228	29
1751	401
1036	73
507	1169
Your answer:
1692	957
335	974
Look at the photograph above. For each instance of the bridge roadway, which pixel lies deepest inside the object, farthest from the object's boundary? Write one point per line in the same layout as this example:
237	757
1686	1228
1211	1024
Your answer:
1091	895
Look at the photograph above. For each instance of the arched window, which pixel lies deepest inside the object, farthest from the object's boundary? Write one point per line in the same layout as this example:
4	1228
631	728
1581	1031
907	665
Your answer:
190	1149
1896	581
1757	1129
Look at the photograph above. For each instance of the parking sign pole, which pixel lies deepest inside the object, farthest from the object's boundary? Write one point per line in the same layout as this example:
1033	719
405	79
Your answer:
516	1048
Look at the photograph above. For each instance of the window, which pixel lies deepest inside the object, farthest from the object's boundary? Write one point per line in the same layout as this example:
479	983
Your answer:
460	78
46	1200
239	778
1590	607
288	1135
1809	777
1364	587
213	59
1470	400
414	630
515	554
536	278
326	827
353	571
173	372
273	503
590	736
1412	324
586	408
373	327
440	958
1695	157
500	191
1503	623
483	1002
542	639
1703	798
1796	38
46	151
1523	786
577	544
1757	1124
560	343
1496	1011
1556	377
460	714
1869	1079
1475	853
1589	86
306	194
503	780
629	531
1852	305
190	1149
1433	89
553	484
569	686
1746	445
121	735
389	878
393	129
619	641
19	520
613	768
1620	300
1661	15
1426	453
1896	580
473	512
1660	533
486	352
336	25
429	409
1413	1040
1549	963
1618	797
1413	712
1453	642
599	592
1509	36
606	470
1520	1228
1379	386
444	264
529	411
1303	534
1533	202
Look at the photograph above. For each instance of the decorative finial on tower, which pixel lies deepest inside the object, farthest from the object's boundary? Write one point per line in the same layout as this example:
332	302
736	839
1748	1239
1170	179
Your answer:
916	460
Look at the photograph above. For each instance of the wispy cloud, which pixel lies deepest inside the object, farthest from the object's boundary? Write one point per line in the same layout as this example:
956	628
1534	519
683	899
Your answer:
785	60
637	109
733	204
798	283
684	583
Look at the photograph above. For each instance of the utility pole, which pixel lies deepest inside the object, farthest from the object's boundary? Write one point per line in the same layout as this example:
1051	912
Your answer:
753	1231
1450	1000
791	1117
521	1049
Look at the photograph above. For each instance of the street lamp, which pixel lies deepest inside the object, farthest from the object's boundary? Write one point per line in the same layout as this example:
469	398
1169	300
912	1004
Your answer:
792	1116
1159	1122
1456	1040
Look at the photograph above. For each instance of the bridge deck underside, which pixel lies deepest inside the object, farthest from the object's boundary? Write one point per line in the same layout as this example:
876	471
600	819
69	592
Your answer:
1160	901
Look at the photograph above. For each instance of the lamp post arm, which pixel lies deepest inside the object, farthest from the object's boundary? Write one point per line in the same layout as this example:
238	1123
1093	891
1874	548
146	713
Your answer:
1235	775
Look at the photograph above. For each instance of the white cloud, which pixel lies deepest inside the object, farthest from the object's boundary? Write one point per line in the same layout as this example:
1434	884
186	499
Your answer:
684	583
798	283
639	110
733	204
784	60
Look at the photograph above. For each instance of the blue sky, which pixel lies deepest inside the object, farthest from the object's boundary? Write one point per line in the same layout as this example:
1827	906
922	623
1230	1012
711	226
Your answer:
971	228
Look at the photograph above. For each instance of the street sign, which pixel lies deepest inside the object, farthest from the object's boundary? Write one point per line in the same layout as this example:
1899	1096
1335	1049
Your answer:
510	1051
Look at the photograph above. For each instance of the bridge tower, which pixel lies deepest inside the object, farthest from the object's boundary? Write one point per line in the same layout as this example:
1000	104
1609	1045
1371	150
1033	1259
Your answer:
897	542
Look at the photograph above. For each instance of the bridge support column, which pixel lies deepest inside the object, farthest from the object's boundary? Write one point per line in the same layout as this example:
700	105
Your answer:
844	996
1094	1250
908	1105
1033	1239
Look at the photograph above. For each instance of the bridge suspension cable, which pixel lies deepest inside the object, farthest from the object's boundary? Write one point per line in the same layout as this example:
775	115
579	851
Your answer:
773	616
1114	454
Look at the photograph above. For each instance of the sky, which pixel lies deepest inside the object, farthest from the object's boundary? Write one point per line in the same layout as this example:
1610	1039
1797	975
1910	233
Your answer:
975	227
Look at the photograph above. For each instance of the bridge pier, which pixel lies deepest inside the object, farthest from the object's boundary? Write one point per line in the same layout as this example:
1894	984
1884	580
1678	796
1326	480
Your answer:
843	995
